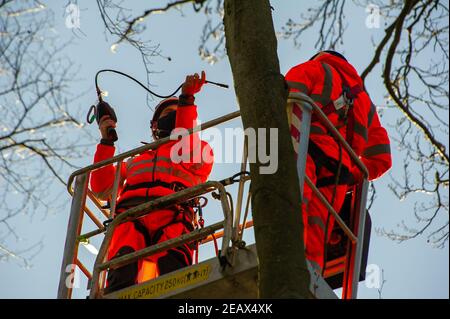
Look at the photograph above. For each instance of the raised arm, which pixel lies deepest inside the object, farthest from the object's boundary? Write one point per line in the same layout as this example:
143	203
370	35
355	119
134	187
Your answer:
189	147
102	180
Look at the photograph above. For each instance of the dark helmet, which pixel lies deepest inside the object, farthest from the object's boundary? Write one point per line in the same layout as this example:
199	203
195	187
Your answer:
158	110
330	52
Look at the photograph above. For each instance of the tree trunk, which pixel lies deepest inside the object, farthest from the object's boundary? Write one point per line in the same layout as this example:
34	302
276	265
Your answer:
261	91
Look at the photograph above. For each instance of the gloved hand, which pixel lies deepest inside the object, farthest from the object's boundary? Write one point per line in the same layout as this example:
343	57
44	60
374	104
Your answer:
193	84
105	123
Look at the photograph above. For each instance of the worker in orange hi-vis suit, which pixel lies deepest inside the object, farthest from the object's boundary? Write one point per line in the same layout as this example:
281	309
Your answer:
338	90
151	174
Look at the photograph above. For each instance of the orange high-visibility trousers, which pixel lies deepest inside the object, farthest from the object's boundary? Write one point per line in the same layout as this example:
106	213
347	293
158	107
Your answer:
315	214
152	229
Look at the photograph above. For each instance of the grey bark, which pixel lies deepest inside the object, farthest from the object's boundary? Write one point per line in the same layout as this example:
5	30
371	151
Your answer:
260	88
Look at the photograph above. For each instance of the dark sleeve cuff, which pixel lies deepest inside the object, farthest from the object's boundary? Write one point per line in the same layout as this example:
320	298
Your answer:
106	142
185	100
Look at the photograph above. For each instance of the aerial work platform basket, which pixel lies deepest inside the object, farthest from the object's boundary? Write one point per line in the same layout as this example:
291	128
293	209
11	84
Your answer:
233	273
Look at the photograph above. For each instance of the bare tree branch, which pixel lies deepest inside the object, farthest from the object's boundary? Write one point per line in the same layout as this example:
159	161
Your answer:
330	15
416	30
39	137
129	30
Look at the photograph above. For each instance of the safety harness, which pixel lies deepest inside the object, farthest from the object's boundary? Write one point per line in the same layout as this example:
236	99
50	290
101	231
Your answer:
343	106
323	160
185	210
175	186
190	218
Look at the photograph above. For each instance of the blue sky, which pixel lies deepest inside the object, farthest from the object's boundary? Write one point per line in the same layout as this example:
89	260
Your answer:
412	269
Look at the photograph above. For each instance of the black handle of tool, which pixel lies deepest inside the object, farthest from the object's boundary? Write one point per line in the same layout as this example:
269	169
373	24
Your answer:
103	109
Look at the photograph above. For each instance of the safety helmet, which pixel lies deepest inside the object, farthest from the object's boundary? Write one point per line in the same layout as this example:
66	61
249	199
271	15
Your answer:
159	109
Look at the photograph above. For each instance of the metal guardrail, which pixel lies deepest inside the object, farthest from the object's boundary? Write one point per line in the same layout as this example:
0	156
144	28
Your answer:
149	146
231	232
78	208
354	251
144	209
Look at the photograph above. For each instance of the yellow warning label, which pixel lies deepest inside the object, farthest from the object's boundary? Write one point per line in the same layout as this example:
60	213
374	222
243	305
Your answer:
161	286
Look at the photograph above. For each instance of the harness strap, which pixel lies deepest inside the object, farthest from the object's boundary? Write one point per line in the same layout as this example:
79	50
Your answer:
175	186
350	127
348	94
151	239
131	202
160	231
143	230
332	165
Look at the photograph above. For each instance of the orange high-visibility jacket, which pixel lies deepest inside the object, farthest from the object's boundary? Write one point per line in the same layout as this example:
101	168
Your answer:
323	80
150	173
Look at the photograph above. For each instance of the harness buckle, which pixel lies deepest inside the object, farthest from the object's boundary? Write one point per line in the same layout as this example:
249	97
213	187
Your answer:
340	102
347	99
348	95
